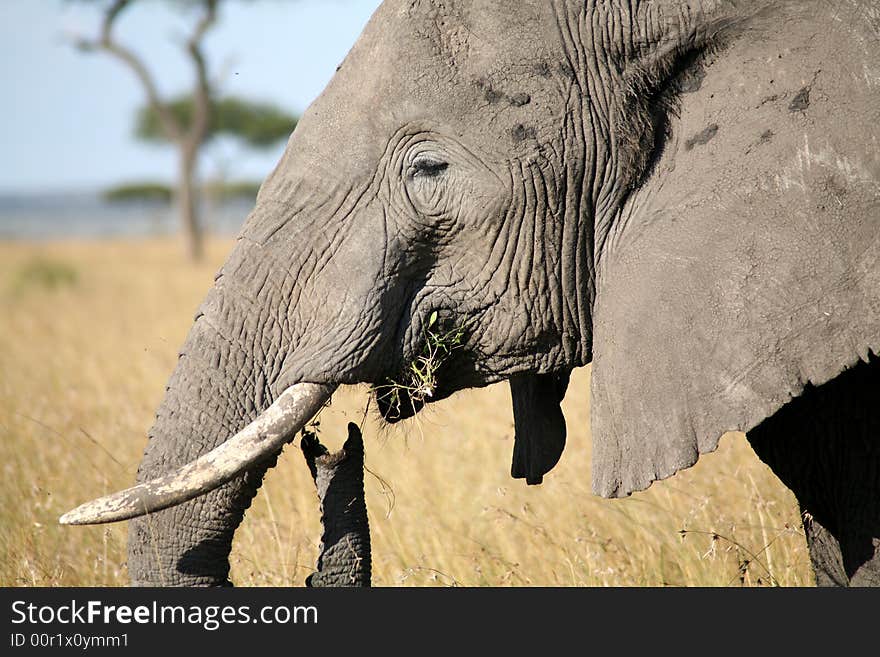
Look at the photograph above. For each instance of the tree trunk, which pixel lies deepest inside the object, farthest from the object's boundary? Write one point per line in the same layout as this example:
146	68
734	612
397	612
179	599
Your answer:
344	559
188	202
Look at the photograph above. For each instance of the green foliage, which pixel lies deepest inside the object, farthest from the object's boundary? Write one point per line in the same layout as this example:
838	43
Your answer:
259	125
155	192
241	189
420	379
45	274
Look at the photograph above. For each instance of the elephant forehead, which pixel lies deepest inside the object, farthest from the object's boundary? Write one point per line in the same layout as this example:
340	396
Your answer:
468	33
479	67
483	72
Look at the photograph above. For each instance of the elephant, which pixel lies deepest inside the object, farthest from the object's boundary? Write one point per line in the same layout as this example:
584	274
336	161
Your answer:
684	194
345	555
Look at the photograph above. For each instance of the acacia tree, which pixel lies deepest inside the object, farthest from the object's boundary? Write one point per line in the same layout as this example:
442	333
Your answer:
256	125
189	130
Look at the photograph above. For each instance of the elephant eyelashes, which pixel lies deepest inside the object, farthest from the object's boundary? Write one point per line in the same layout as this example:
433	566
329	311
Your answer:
427	167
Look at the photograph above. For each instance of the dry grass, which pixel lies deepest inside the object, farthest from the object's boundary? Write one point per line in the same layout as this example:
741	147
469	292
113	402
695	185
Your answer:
89	337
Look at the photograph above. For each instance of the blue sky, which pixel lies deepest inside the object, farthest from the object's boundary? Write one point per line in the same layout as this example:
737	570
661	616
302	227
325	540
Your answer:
66	119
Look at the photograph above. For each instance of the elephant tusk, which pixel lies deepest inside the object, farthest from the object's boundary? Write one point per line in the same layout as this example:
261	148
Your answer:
275	427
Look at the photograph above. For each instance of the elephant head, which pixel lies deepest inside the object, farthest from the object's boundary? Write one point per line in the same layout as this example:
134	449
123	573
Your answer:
508	191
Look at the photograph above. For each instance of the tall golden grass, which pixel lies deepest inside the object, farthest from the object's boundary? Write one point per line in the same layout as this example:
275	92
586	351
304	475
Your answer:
89	336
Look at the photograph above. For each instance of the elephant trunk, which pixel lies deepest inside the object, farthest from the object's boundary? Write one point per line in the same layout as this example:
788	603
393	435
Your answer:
344	559
227	375
278	330
189	545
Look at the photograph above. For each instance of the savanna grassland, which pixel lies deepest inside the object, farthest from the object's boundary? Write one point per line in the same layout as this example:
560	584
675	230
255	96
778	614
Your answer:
89	336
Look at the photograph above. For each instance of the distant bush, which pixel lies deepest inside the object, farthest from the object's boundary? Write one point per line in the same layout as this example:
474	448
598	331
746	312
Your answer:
159	193
243	189
46	274
154	192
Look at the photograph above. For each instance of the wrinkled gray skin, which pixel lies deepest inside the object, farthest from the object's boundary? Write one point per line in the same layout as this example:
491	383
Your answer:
344	557
683	193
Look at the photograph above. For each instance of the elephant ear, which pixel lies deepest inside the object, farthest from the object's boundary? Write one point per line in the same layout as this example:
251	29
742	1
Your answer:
747	266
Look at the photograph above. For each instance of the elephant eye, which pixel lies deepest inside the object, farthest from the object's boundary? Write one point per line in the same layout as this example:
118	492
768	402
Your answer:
427	166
